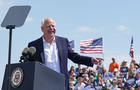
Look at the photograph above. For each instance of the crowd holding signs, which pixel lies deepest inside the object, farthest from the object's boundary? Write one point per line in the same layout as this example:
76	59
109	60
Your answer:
123	78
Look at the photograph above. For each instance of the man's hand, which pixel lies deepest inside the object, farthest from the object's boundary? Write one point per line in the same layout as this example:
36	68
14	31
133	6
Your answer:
95	60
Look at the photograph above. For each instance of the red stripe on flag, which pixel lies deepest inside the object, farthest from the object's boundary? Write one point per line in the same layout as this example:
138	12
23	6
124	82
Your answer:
89	50
92	52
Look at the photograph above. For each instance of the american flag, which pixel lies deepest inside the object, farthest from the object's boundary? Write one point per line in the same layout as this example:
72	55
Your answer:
71	43
131	53
92	46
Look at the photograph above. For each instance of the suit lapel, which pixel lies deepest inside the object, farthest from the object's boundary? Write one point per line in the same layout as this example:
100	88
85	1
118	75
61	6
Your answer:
58	43
41	48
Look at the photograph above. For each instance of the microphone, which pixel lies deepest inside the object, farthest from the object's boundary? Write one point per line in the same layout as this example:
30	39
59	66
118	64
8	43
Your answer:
25	51
27	54
32	50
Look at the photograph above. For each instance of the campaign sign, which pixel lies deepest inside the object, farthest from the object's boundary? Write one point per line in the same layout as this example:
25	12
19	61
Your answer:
138	82
124	69
130	81
98	87
138	70
120	77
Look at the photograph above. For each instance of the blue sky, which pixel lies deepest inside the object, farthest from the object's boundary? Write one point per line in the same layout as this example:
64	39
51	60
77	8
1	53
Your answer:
114	20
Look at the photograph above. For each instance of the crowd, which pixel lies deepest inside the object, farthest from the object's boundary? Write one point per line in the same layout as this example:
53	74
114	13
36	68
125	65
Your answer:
119	77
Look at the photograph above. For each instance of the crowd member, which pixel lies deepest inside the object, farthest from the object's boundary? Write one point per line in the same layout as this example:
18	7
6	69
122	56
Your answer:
136	65
88	85
133	61
82	71
113	65
124	68
90	73
123	79
107	84
71	85
138	79
100	68
106	76
114	86
72	70
132	73
91	83
80	84
115	73
74	77
78	69
85	78
131	68
99	81
95	75
120	83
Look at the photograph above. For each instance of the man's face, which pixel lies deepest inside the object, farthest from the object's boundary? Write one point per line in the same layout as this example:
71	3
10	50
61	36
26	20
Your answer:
113	60
80	79
91	79
49	28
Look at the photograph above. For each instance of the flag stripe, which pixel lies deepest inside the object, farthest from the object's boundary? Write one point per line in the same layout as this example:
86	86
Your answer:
91	47
89	50
92	52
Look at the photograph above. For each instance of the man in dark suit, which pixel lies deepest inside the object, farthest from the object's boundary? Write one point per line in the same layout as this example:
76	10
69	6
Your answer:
53	51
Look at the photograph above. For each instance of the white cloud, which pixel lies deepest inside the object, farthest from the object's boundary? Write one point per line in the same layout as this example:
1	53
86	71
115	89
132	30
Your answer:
29	19
122	28
86	29
1	2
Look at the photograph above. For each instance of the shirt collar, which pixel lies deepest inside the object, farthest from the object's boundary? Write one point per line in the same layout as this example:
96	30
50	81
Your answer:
47	42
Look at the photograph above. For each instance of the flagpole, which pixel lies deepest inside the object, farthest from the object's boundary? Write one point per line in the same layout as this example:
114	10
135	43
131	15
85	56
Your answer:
103	50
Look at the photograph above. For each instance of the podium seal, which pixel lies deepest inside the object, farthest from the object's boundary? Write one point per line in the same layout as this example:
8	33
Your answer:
17	77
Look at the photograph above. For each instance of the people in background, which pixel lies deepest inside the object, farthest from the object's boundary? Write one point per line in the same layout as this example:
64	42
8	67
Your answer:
113	65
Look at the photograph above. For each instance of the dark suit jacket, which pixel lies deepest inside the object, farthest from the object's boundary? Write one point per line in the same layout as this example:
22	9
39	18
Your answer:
64	52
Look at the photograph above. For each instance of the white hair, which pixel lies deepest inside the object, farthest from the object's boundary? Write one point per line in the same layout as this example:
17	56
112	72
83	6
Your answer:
43	21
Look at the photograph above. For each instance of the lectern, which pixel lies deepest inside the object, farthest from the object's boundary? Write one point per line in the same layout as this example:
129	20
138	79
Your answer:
33	76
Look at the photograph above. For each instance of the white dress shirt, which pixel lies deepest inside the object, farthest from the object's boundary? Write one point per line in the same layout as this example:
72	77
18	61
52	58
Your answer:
51	55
